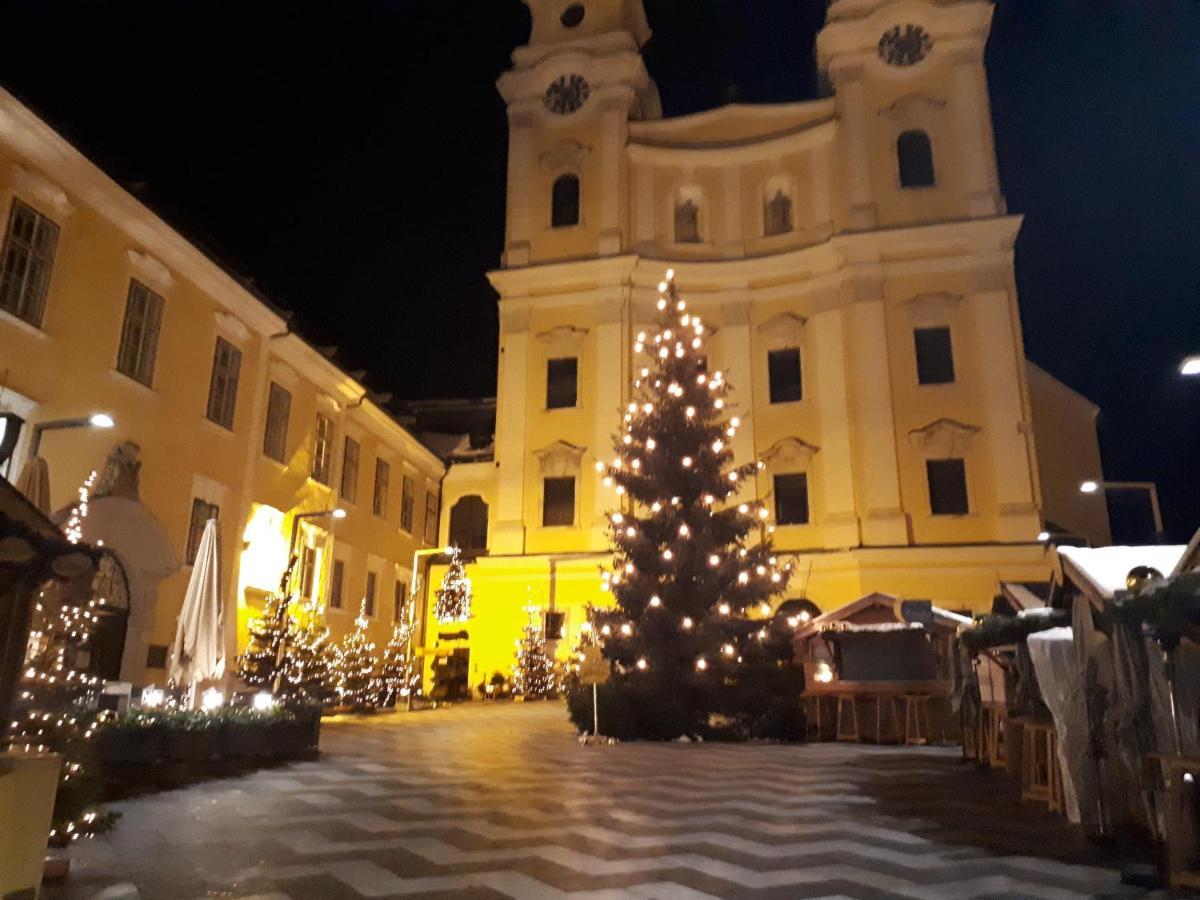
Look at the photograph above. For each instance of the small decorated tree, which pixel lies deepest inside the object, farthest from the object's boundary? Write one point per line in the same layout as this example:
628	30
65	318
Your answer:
353	667
306	677
399	676
454	596
693	572
260	663
533	674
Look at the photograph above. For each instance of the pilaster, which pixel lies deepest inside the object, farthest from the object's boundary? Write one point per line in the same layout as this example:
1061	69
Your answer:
840	520
509	533
852	112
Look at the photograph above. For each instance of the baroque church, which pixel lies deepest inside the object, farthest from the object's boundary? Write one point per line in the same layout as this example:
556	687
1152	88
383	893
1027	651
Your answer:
853	254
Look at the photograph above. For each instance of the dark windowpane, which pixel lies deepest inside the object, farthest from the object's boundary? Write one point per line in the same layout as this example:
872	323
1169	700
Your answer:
25	262
687	222
562	378
469	524
350	455
322	463
139	333
337	581
777	214
431	517
565	202
400	602
935	356
222	389
784	367
947	487
553	623
915	155
791	499
156	656
369	596
279	410
383	480
201	513
408	500
558	501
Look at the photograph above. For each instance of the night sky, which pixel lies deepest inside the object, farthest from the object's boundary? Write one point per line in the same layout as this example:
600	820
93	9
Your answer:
349	157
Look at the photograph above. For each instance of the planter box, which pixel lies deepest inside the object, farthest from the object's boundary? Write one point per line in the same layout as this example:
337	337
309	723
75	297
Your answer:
131	746
244	741
192	746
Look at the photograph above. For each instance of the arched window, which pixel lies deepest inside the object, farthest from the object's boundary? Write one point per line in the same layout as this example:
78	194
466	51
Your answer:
777	214
915	155
564	202
687	222
469	524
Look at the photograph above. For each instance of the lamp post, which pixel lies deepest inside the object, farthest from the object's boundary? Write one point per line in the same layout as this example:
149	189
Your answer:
96	420
418	555
338	513
1092	487
1190	366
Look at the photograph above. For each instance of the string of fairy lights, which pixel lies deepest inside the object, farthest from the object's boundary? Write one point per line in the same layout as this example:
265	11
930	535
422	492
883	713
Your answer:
681	337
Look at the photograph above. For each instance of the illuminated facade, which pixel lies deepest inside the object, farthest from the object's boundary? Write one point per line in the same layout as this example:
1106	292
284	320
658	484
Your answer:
856	259
105	307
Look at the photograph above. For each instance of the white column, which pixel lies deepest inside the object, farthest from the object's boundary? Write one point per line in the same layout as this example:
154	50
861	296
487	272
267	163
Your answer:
737	366
852	114
522	174
612	159
973	123
874	428
1005	427
511	399
610	379
840	520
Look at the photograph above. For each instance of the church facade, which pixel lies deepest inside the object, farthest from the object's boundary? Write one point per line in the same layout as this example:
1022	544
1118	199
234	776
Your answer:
855	258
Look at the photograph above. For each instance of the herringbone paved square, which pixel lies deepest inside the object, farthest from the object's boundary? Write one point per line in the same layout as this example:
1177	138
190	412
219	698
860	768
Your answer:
501	801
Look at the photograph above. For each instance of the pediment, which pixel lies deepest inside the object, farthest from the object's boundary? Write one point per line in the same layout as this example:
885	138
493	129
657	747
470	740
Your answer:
149	270
566	154
943	436
563	334
912	106
789	451
932	308
783	330
560	459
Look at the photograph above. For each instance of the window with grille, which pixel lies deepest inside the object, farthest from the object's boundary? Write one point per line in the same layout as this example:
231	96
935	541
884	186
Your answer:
202	511
791	499
564	202
431	517
383	480
279	410
222	389
914	153
935	355
783	367
139	333
25	263
408	500
369	594
400	601
558	501
947	487
322	464
562	382
337	583
350	454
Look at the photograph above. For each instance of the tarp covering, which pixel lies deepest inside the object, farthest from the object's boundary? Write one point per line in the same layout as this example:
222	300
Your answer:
1103	569
34	483
199	650
1061	684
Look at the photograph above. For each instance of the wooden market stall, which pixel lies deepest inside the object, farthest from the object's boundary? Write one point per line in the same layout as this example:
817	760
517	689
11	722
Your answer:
880	670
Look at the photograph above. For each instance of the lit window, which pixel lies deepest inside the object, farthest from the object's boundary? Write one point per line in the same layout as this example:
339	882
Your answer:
791	499
784	369
915	156
558	501
947	487
562	382
935	356
222	389
25	262
139	333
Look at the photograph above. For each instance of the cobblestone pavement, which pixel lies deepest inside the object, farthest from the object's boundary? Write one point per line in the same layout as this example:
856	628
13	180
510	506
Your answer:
501	801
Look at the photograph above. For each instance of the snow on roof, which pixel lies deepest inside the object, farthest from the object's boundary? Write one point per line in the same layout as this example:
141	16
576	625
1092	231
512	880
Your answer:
1104	568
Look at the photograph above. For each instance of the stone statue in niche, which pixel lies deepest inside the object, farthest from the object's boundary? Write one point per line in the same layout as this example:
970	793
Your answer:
687	222
777	214
121	472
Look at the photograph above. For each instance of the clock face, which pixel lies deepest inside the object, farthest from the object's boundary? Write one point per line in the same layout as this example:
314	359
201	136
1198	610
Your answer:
904	45
566	94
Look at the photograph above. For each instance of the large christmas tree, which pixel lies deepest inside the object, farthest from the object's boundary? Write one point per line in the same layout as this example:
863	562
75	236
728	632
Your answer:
695	651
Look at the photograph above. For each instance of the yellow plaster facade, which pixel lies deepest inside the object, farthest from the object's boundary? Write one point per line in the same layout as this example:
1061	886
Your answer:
64	363
862	254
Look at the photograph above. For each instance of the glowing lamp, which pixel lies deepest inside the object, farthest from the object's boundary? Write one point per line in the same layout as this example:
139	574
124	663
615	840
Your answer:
101	420
263	701
1190	366
823	673
338	513
1043	536
212	699
1089	487
152	697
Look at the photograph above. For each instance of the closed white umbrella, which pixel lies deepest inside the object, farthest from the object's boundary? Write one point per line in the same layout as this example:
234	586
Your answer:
34	483
199	650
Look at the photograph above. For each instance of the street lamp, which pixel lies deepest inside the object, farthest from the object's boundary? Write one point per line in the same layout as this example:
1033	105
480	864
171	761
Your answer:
338	513
1091	487
95	420
1190	366
412	606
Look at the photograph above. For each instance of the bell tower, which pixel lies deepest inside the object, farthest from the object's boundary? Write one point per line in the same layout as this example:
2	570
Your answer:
571	93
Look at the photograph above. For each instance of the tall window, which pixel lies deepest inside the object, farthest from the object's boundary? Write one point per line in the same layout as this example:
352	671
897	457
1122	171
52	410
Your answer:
687	222
791	499
400	601
322	465
337	584
139	333
914	153
25	262
202	511
222	389
947	487
564	202
562	382
350	453
558	501
369	594
783	366
431	517
408	500
308	570
469	523
777	214
279	410
383	480
935	355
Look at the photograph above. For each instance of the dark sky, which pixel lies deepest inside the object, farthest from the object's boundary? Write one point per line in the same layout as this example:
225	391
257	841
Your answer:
350	157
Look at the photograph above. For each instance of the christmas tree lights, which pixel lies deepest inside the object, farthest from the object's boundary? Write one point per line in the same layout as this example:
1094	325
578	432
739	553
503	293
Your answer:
353	667
454	596
692	561
533	674
399	675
